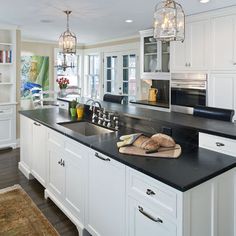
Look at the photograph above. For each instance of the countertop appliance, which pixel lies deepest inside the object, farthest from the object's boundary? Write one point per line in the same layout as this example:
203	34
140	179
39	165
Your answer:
187	91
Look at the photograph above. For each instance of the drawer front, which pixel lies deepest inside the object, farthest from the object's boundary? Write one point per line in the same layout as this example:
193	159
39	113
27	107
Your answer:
217	144
6	110
152	192
143	220
63	105
55	139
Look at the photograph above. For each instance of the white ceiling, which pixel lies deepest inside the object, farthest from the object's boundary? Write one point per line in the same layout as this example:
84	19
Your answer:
91	20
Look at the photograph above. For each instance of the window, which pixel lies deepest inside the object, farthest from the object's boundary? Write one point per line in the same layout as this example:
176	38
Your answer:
71	72
92	88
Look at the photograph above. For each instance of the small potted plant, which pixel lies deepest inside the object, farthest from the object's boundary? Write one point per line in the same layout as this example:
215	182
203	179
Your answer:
63	83
73	105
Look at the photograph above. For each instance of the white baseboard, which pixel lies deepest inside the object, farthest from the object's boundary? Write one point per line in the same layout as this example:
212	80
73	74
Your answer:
17	143
25	170
77	223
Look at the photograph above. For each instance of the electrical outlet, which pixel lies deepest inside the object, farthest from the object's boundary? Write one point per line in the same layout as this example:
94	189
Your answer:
167	130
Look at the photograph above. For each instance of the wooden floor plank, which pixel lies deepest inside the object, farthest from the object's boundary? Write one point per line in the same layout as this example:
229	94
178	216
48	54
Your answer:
10	175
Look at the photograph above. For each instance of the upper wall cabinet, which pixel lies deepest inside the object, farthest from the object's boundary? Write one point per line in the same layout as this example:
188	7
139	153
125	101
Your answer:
191	55
155	56
223	38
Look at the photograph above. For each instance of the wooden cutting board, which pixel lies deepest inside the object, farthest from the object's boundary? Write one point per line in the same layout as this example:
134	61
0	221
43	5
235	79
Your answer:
162	152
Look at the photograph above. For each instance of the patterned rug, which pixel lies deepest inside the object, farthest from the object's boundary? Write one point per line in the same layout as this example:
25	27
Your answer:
20	216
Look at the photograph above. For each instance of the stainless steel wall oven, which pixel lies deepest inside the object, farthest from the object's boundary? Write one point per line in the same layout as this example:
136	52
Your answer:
187	91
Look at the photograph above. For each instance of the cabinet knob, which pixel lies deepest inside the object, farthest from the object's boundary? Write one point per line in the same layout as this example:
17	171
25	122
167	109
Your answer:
186	64
63	163
59	162
234	63
218	144
150	192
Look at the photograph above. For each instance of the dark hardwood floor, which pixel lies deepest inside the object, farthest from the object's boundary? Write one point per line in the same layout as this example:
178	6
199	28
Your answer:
10	175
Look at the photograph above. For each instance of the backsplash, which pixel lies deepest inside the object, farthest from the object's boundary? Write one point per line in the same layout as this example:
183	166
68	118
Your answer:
163	87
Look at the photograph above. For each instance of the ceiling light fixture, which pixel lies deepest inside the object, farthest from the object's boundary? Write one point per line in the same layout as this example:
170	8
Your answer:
204	1
67	40
169	21
63	63
129	21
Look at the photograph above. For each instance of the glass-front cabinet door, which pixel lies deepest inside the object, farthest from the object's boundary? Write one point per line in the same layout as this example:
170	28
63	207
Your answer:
152	62
120	74
155	57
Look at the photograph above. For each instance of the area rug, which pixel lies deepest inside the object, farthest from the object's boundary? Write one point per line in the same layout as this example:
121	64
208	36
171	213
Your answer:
20	216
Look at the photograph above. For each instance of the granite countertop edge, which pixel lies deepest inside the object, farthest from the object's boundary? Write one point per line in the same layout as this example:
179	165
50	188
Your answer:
91	142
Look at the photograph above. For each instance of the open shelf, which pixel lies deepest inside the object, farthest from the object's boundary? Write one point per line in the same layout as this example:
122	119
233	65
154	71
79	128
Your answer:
7	103
6	44
6	83
6	64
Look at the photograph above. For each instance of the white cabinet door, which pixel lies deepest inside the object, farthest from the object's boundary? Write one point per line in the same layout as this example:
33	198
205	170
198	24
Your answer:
105	214
144	221
197	45
55	170
178	56
223	42
222	91
38	165
7	126
192	54
26	142
76	159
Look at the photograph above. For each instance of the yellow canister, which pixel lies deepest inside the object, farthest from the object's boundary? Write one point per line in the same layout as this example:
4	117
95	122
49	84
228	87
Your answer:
80	111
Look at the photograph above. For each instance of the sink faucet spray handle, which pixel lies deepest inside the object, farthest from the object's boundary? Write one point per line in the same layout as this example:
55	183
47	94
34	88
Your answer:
116	120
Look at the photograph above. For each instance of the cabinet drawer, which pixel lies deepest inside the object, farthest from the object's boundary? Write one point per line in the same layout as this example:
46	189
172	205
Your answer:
55	139
152	192
144	220
5	110
217	144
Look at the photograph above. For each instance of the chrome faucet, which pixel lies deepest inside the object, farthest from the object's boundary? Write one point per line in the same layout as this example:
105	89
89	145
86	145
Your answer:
96	102
92	108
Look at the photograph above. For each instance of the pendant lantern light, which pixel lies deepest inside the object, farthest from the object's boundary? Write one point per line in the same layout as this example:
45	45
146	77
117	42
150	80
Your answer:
169	21
67	40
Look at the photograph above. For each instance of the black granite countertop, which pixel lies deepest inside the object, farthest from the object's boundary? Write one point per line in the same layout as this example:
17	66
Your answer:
195	165
154	104
215	127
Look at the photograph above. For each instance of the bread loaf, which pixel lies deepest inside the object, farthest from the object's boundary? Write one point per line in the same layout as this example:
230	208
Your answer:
163	140
146	143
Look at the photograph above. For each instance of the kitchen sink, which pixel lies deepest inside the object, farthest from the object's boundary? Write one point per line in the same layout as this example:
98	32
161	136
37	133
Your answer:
86	128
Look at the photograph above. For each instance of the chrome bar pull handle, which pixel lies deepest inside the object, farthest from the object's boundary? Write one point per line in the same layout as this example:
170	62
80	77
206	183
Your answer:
150	192
158	220
37	124
102	158
218	144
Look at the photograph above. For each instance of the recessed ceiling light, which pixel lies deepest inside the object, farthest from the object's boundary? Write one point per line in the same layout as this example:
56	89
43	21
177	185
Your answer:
46	21
129	21
204	1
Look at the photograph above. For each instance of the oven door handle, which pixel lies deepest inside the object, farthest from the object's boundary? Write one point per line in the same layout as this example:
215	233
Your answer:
180	86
